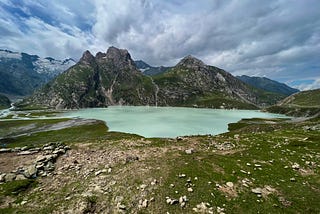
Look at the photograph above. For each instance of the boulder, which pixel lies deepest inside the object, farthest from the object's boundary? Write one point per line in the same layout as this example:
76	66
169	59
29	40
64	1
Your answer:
257	190
189	151
9	177
20	177
30	171
4	150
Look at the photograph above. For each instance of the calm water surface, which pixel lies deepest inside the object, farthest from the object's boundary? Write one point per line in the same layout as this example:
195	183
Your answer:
167	121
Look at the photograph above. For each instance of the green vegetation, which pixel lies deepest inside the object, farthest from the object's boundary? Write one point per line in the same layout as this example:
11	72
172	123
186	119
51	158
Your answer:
18	133
302	104
16	187
256	153
309	98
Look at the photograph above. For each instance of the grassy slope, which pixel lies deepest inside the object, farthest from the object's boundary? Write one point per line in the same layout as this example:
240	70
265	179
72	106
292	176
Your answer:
305	103
273	144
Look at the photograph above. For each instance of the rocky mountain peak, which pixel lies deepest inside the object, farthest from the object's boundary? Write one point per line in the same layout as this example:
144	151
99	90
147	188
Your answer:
191	62
119	57
87	57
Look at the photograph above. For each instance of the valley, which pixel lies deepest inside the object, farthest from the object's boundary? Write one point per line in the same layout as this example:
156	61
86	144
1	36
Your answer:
59	155
261	165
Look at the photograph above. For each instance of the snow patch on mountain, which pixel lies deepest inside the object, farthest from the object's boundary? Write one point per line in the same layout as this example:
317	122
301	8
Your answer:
10	54
51	66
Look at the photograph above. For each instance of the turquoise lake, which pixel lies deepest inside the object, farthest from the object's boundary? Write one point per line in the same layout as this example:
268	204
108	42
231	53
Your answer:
167	121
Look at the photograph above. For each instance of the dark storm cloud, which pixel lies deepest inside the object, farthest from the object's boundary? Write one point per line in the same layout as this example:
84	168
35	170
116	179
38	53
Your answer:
279	39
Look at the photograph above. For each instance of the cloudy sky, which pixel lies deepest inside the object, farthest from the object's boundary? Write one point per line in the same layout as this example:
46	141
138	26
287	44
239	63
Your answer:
279	39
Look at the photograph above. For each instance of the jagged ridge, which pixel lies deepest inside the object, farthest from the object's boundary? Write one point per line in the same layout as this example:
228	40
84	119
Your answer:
112	78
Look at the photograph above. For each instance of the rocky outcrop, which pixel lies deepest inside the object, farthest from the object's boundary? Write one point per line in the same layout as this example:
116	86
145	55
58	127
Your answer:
42	165
193	83
109	78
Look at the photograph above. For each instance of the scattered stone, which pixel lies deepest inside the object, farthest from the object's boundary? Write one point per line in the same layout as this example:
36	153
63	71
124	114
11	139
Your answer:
189	151
143	203
182	175
179	138
230	184
119	199
109	170
203	208
285	202
220	210
190	189
40	165
130	159
49	166
171	185
30	171
9	177
41	158
2	177
292	179
243	171
257	190
143	186
23	202
46	148
225	146
4	150
154	182
295	166
122	207
20	177
97	173
171	201
24	148
27	152
183	200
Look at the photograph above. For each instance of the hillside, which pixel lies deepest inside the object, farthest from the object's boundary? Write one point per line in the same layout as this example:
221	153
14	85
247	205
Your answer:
268	85
22	73
4	102
305	103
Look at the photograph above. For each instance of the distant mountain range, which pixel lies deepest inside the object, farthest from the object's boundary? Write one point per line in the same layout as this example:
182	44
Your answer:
150	70
22	73
268	85
113	78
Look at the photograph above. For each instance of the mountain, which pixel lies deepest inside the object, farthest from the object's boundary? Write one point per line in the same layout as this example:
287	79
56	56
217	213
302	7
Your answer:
4	102
268	85
109	78
193	83
112	78
304	103
22	73
149	70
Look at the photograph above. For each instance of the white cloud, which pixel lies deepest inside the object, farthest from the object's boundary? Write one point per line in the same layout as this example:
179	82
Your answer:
277	39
